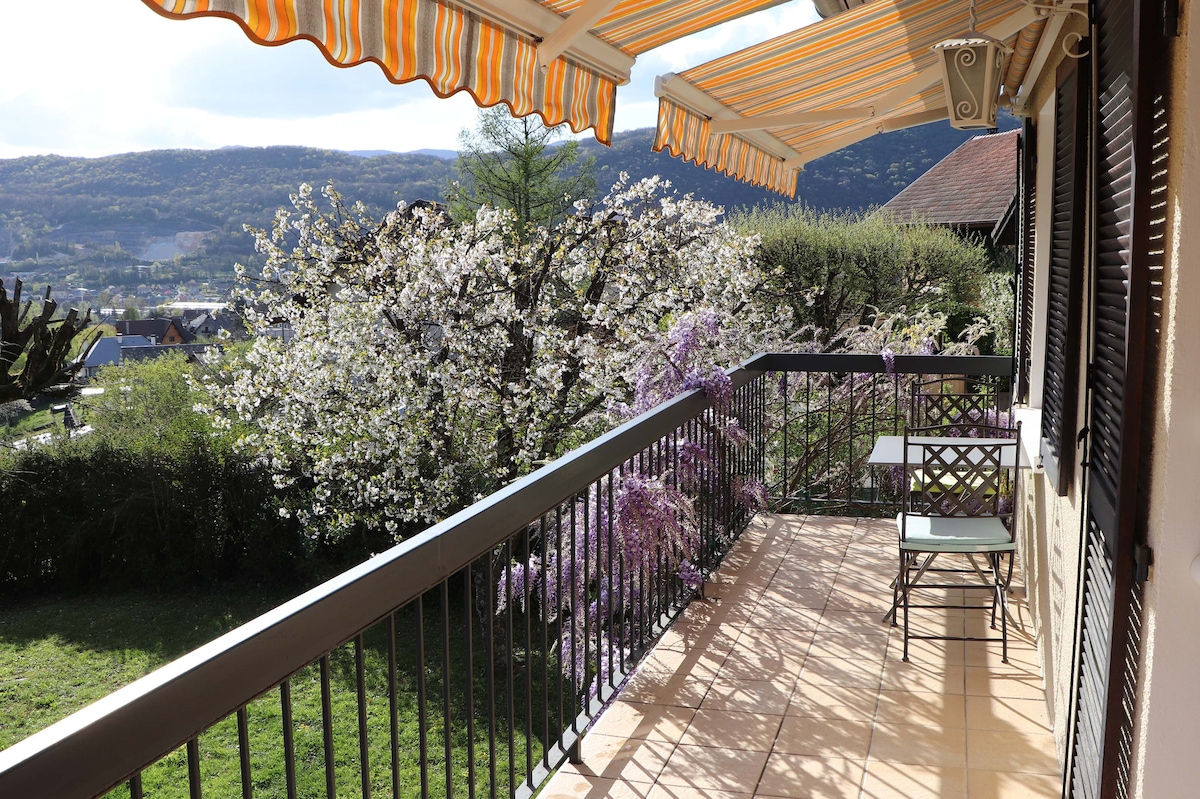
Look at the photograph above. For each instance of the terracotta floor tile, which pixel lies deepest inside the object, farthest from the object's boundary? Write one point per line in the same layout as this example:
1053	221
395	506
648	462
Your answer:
905	781
763	663
1005	714
832	702
570	785
654	688
928	653
915	676
1001	785
997	682
732	730
633	720
1011	751
1020	654
713	769
687	636
613	757
783	617
803	777
803	577
814	598
748	696
857	622
697	662
688	792
824	737
834	671
925	746
921	708
846	645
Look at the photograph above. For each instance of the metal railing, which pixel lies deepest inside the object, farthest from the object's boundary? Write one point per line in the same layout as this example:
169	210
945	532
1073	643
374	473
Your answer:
469	659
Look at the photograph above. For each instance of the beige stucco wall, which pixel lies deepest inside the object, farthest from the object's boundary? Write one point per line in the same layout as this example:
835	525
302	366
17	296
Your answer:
1167	761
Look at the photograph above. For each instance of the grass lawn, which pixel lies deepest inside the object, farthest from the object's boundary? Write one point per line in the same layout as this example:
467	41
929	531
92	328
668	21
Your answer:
58	655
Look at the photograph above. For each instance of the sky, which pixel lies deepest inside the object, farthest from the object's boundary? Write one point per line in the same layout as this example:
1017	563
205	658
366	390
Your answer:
99	77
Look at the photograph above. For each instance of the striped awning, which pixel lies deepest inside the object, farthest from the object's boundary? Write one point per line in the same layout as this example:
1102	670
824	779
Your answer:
760	114
561	59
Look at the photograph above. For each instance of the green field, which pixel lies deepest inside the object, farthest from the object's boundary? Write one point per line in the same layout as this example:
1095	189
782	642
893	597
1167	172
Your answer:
59	655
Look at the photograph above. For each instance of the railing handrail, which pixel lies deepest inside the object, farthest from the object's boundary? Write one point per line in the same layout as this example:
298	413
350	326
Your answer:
205	685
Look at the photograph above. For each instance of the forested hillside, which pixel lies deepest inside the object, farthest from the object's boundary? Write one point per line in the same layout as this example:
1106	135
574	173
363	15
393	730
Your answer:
173	219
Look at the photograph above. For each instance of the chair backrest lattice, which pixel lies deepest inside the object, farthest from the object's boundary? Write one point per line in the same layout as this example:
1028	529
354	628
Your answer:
971	477
945	403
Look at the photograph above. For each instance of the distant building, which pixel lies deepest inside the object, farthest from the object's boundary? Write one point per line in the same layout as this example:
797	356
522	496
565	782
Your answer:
106	351
973	189
162	331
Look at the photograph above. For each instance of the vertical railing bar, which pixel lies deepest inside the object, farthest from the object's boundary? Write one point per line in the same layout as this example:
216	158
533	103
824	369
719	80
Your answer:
545	523
578	601
422	699
598	536
527	607
558	610
243	729
468	607
393	705
619	574
490	627
193	760
360	677
807	440
586	610
509	677
447	717
135	786
850	447
289	739
327	730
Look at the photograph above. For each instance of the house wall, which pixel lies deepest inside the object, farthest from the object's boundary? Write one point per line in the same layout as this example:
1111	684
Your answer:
1168	731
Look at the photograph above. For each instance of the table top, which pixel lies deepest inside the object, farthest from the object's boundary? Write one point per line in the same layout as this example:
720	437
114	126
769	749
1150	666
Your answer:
889	450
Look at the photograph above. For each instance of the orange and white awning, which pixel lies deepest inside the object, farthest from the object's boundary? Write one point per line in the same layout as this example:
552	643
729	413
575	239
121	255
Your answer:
760	114
561	59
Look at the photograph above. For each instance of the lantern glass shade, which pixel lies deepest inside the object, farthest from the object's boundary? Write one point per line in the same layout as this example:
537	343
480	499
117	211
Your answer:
971	79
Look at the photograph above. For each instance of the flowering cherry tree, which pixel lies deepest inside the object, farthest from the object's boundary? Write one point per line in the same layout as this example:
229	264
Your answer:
404	366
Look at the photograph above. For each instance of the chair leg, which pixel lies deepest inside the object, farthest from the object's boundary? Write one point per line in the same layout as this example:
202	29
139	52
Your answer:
905	565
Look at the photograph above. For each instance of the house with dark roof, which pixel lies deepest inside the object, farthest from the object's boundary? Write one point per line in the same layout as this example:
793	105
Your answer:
973	189
161	330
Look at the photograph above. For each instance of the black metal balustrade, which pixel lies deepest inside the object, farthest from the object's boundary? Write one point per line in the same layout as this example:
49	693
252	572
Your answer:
453	665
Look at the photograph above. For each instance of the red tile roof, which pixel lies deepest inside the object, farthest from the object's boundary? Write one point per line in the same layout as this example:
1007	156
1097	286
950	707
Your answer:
971	187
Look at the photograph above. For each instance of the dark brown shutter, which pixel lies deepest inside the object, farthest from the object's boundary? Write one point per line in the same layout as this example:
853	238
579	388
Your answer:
1060	384
1130	181
1026	251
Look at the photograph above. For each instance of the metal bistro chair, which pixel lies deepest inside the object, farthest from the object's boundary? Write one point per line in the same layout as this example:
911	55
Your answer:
959	498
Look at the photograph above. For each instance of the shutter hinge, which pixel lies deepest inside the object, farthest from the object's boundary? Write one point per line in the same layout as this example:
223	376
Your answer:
1170	21
1081	440
1143	561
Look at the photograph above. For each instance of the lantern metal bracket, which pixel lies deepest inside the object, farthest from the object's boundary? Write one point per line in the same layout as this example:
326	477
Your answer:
1045	9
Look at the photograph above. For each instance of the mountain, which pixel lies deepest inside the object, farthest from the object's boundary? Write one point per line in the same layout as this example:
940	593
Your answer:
89	222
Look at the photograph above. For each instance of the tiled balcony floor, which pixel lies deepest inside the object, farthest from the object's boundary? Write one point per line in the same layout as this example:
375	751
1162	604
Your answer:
789	685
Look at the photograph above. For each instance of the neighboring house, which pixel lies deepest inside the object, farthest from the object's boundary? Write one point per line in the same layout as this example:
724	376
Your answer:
170	330
973	189
107	351
113	350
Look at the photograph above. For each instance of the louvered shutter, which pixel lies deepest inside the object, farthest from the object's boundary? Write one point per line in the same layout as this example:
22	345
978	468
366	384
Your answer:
1060	382
1026	251
1130	135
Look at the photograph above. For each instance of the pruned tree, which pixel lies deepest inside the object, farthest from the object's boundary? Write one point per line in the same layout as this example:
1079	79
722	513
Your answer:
35	349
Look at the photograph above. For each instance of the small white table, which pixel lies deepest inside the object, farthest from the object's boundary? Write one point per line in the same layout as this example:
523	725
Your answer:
889	450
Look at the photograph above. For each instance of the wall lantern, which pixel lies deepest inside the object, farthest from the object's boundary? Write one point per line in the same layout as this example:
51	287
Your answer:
971	68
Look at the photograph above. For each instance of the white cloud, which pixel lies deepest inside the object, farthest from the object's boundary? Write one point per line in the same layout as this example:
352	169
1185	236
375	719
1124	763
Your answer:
90	78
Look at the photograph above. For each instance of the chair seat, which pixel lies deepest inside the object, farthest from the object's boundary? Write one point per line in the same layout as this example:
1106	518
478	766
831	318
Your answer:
954	534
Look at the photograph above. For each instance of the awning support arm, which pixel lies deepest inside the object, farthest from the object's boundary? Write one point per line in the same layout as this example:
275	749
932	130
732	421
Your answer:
582	19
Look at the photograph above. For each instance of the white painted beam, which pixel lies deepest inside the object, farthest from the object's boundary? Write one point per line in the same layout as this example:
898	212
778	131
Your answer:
788	120
571	29
537	21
